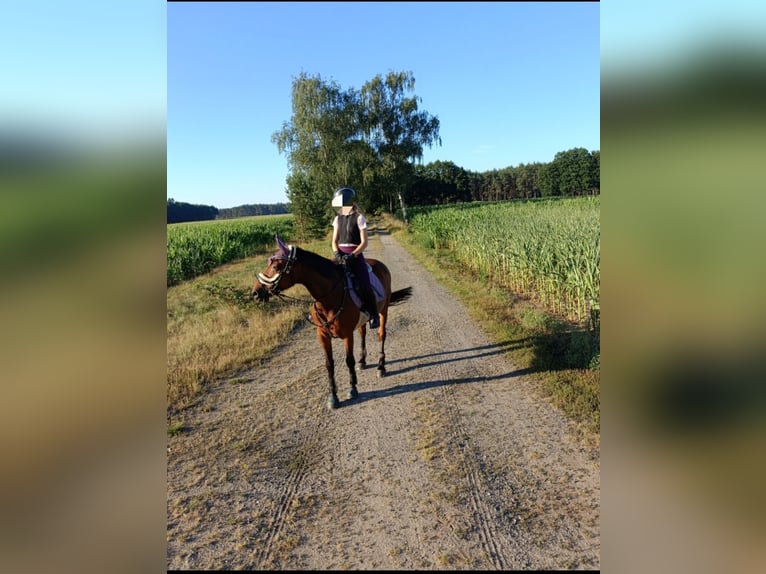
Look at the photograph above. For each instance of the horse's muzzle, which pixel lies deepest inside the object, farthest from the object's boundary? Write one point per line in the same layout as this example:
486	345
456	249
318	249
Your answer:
261	294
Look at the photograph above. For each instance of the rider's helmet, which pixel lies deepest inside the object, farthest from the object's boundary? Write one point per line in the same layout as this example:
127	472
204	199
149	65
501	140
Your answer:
343	196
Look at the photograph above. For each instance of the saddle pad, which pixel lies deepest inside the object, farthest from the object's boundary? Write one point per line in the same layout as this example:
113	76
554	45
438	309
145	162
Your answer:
375	283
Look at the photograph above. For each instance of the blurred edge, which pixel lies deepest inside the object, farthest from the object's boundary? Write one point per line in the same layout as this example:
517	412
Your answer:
82	350
82	288
684	377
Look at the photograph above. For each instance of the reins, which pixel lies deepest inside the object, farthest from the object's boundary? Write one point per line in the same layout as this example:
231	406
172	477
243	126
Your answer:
326	324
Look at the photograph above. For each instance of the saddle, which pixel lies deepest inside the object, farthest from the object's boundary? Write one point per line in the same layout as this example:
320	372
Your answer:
353	286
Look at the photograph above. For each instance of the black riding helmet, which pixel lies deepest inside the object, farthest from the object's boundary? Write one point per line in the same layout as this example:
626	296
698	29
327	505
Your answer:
343	196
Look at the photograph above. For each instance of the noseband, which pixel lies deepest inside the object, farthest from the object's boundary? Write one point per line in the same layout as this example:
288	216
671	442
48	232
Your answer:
272	282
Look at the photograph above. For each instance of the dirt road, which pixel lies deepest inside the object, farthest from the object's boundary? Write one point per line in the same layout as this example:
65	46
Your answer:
452	461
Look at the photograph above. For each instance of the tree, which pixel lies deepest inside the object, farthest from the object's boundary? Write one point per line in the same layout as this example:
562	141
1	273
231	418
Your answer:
319	143
366	139
573	171
549	179
595	179
438	182
309	206
527	179
397	132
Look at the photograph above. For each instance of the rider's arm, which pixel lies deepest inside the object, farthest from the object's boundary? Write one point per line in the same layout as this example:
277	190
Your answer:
335	235
363	245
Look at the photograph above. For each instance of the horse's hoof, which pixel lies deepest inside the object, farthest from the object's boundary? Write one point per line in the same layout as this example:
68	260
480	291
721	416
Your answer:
353	393
333	402
381	373
360	366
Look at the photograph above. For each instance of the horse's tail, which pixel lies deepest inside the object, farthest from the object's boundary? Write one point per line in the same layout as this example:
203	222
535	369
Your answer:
400	296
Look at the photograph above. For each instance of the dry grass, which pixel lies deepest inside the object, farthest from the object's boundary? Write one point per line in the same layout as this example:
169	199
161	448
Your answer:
215	330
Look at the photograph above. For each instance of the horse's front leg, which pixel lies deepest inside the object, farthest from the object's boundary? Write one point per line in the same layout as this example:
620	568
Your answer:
348	342
362	362
326	341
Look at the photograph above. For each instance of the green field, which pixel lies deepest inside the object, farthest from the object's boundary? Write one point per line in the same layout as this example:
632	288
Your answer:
548	250
195	248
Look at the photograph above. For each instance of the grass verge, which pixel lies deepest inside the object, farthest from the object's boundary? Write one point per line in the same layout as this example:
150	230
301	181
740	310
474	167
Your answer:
215	330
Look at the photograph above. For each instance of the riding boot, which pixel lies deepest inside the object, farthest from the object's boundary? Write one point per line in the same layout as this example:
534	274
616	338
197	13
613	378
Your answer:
371	306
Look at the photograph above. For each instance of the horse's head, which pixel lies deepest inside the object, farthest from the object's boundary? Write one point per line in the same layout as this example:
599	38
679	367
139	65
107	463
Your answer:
276	277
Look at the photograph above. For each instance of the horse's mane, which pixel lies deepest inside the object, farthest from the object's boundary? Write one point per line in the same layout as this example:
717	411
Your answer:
322	265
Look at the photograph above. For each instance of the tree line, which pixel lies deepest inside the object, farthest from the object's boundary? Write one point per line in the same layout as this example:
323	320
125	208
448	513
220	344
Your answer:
572	173
178	211
253	209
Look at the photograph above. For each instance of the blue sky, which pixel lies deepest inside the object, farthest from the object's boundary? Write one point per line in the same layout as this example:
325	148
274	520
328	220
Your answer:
510	83
661	34
84	68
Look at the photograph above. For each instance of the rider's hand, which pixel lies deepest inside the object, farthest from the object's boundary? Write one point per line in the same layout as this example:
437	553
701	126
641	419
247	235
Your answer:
338	257
348	256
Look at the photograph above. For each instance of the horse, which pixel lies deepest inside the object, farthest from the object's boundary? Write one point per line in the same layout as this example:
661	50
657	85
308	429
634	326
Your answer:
336	309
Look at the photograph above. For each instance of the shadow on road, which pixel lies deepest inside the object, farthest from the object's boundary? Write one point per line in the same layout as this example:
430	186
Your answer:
473	353
414	387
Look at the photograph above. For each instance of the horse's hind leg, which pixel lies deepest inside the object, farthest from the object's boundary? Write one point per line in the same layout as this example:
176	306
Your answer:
326	342
382	339
348	342
362	362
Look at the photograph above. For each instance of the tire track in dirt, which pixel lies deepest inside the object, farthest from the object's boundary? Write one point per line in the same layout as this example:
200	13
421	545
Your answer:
483	517
429	318
220	438
290	488
466	364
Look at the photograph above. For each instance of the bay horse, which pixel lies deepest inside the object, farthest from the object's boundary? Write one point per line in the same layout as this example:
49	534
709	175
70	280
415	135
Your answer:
335	310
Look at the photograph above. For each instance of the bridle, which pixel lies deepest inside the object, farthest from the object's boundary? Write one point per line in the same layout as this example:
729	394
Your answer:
273	282
272	285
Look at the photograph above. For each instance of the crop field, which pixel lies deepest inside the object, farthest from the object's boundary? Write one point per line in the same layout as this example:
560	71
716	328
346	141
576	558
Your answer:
546	249
195	248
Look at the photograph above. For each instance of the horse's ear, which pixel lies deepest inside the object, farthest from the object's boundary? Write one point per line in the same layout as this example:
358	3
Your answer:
281	244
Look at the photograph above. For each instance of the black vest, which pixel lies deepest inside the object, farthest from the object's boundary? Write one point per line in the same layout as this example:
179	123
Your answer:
348	230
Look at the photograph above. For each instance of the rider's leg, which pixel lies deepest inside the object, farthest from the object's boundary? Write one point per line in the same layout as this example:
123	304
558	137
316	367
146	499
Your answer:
369	301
